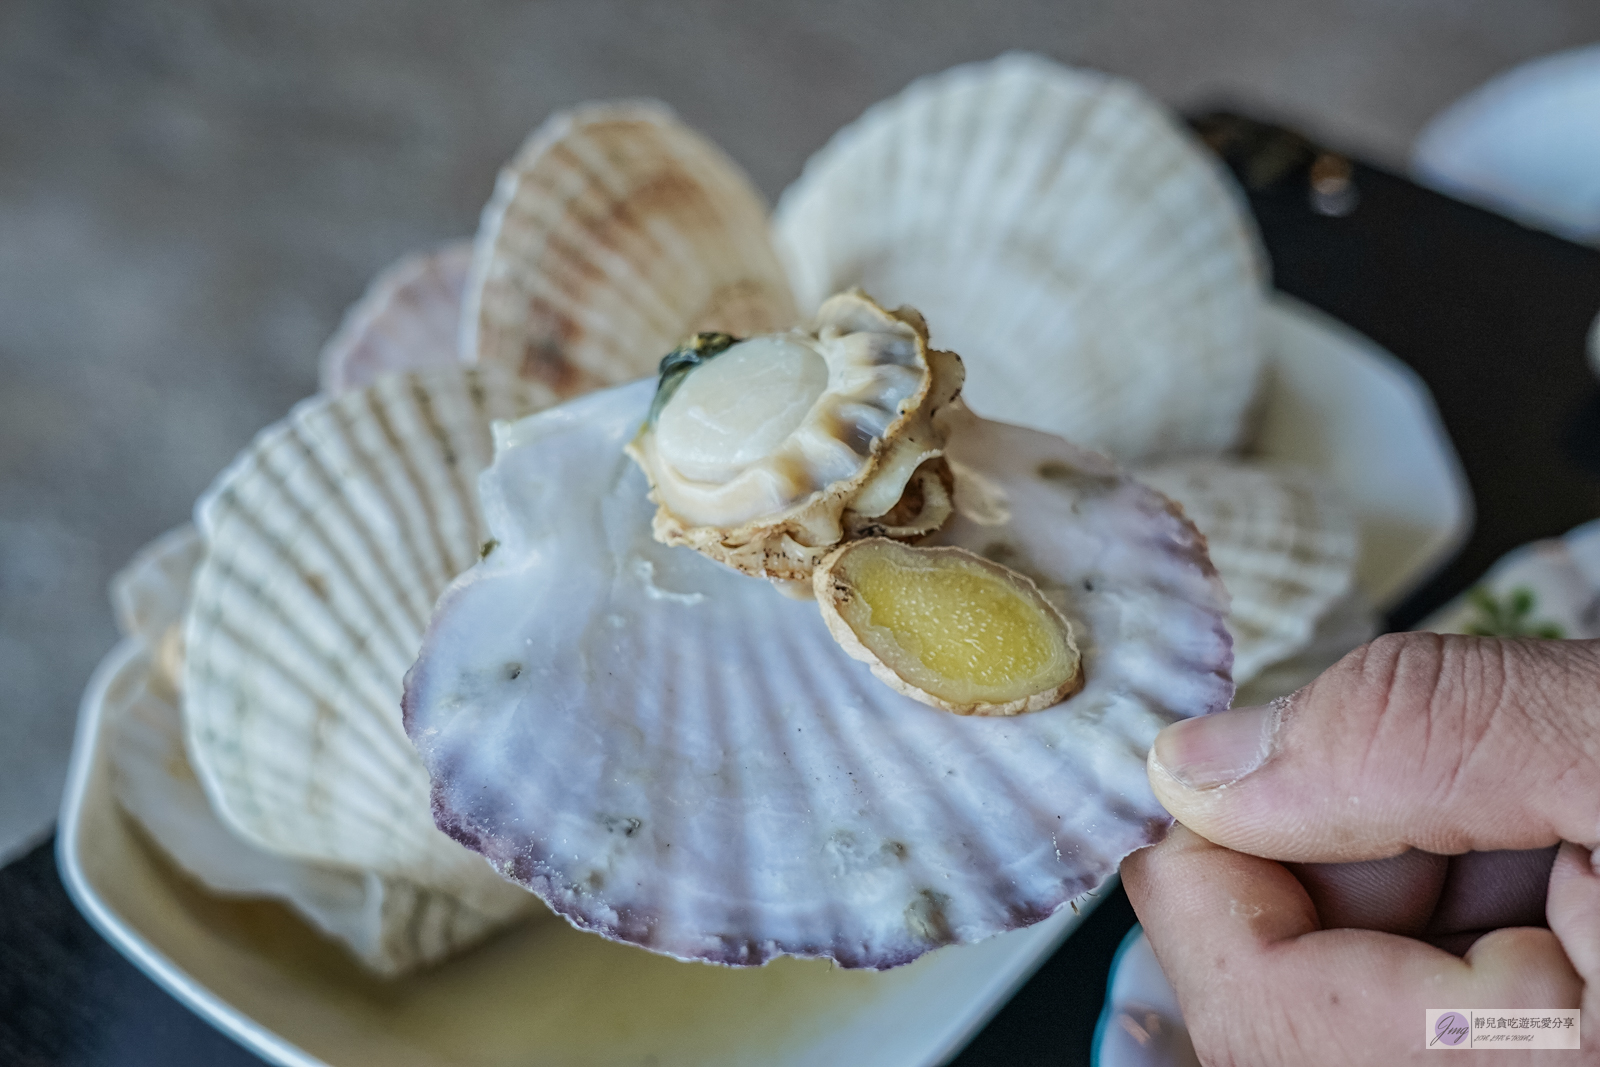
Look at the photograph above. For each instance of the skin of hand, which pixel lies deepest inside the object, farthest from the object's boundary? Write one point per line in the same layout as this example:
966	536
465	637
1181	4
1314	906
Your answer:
1339	849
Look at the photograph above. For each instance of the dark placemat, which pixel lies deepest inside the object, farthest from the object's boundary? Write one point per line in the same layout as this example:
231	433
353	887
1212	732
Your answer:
1491	315
68	999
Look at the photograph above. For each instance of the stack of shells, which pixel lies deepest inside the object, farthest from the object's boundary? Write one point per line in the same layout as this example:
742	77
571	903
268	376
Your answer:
1090	262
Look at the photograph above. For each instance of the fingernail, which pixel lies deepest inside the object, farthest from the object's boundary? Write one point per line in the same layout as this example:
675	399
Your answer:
1218	749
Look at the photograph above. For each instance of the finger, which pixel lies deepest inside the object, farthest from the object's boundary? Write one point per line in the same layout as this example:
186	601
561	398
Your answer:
1234	931
1441	743
1396	895
1573	910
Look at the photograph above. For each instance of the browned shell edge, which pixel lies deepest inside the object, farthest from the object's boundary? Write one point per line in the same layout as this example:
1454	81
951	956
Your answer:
832	592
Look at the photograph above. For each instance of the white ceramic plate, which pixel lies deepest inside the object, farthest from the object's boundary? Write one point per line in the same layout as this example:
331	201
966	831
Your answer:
549	994
1526	143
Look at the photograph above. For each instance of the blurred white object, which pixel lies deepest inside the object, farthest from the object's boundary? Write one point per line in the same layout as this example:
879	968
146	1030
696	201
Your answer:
1141	1024
1092	231
1544	589
1337	403
1526	144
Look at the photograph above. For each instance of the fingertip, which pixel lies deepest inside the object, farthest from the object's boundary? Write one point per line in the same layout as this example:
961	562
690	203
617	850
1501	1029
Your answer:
1527	965
1572	908
1218	749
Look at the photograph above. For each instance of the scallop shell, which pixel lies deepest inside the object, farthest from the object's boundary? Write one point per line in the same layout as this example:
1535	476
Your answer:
407	320
1348	622
616	232
676	755
1283	541
1088	259
327	542
390	925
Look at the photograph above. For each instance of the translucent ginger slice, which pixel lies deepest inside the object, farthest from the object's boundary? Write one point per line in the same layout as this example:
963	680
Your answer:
947	627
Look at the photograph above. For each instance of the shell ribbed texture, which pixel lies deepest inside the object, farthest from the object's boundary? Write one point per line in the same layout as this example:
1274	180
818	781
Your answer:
1088	260
327	542
1283	542
391	925
677	756
615	233
408	319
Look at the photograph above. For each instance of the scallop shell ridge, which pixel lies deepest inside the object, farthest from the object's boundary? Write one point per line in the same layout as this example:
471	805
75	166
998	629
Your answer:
391	925
1283	542
1087	258
326	544
616	232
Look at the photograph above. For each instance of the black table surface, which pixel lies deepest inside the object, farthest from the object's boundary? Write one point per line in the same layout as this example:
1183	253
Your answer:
1493	317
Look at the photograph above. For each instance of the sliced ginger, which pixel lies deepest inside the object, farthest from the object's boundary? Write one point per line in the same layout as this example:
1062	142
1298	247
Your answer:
947	627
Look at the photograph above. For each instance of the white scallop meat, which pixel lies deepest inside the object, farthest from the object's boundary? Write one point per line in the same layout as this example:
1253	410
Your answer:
765	453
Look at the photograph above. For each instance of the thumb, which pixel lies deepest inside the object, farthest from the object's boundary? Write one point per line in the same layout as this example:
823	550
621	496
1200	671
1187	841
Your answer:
1442	743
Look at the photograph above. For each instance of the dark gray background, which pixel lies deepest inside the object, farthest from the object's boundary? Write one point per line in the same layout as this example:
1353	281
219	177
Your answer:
190	194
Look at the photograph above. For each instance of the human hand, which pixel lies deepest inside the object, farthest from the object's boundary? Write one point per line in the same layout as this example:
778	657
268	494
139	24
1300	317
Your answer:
1412	749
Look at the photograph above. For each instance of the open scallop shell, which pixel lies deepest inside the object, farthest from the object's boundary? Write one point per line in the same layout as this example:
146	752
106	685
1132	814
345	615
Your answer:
1085	256
390	925
327	542
675	755
616	232
408	319
1283	542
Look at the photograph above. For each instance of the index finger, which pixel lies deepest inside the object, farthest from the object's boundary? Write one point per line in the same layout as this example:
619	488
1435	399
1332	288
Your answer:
1260	981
